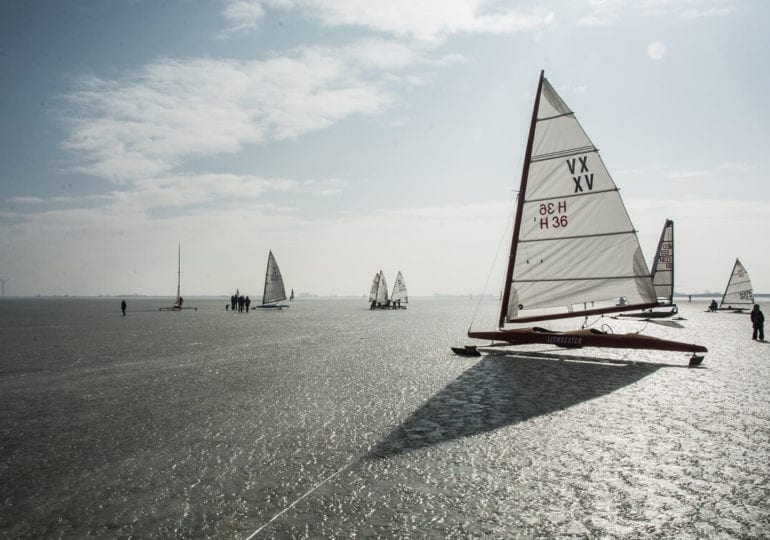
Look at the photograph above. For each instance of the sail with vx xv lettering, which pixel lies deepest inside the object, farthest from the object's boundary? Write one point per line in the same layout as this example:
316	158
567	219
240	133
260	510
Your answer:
574	251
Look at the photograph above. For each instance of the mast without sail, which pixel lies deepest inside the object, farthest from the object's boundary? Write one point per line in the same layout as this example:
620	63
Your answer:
179	274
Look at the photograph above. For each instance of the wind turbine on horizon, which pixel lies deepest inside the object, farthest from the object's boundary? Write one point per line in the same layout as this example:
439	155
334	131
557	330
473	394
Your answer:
2	285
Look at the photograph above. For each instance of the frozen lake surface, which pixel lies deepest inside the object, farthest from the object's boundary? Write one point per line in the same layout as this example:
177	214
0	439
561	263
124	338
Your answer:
328	420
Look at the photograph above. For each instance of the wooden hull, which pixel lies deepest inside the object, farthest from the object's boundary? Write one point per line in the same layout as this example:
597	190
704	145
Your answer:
586	338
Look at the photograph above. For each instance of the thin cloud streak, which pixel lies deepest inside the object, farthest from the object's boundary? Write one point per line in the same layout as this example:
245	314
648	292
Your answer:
611	12
427	21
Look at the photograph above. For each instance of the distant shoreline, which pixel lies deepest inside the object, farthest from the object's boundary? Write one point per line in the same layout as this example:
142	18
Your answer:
310	296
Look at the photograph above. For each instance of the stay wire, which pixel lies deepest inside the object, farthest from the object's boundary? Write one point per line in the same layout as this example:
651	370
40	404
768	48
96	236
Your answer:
505	235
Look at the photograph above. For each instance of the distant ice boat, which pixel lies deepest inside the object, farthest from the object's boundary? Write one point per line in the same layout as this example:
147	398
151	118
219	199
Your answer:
574	250
399	295
274	291
178	304
739	294
378	294
662	278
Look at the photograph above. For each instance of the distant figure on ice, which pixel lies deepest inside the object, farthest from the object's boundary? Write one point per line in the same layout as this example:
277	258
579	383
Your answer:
123	307
758	321
713	306
247	303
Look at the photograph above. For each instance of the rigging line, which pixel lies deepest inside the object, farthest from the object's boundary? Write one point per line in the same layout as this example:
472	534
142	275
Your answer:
497	254
353	460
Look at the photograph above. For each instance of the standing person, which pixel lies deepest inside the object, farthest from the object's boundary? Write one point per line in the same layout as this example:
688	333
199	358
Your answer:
123	307
248	303
758	322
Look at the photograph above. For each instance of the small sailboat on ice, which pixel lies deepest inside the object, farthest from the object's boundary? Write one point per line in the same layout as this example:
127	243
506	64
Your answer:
574	250
399	294
662	278
739	294
178	304
274	291
378	294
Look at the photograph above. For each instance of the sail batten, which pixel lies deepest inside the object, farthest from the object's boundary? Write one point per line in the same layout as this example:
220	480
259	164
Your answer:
565	153
595	192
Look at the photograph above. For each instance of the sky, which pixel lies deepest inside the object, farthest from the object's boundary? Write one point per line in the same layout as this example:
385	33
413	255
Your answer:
349	137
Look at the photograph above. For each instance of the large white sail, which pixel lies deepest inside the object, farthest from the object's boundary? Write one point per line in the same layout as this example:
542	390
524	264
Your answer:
663	265
274	290
574	246
399	290
738	292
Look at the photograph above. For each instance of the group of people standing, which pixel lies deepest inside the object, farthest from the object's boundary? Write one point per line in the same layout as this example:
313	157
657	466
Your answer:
240	302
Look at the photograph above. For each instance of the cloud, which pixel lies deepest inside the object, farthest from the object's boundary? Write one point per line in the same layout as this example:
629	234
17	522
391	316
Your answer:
611	12
687	174
428	20
147	122
242	15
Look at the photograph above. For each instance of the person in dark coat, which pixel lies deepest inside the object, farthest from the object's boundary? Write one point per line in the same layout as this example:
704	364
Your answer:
758	322
123	307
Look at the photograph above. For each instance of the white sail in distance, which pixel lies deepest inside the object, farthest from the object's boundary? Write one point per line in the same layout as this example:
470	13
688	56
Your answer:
663	265
399	290
274	289
739	291
574	246
379	290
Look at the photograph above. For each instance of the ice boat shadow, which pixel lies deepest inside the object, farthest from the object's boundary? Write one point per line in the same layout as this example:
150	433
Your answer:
501	390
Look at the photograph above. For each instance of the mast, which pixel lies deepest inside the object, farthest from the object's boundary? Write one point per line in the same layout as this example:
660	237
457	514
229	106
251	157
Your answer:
520	205
178	271
729	281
